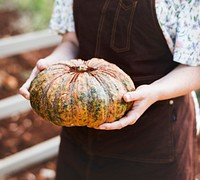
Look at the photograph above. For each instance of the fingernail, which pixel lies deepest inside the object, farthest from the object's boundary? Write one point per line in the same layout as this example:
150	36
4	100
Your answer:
127	97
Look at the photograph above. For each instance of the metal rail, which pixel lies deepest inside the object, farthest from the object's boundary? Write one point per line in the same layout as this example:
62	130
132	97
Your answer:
29	157
13	105
17	104
27	42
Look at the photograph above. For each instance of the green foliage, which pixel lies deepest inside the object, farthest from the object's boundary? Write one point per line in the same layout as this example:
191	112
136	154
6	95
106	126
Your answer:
35	13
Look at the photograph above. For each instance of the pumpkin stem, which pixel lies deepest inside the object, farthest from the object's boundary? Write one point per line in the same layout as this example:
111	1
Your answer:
82	68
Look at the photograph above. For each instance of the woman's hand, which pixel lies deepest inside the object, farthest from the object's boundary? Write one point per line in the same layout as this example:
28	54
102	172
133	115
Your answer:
143	97
66	50
40	65
180	81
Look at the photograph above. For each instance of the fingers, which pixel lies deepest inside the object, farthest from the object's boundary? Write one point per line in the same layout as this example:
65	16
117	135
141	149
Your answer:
140	93
42	64
141	103
132	96
129	119
34	73
46	62
24	89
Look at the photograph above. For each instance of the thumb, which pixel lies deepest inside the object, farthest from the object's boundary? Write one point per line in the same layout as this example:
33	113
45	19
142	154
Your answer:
132	96
42	64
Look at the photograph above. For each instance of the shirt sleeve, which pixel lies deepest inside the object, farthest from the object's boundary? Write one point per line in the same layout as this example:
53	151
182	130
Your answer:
62	19
187	42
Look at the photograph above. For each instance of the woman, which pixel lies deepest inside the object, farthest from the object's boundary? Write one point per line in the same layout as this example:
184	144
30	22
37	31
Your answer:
158	44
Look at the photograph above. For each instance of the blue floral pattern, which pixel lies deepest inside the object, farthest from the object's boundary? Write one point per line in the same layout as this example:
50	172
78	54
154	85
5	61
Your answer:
179	21
62	19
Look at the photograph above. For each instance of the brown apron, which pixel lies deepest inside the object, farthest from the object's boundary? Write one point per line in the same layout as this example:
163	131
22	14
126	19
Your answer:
161	144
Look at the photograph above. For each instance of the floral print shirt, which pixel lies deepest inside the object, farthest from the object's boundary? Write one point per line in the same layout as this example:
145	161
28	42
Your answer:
178	19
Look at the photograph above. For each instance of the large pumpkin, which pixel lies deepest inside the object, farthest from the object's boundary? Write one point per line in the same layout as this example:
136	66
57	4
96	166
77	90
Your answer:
81	93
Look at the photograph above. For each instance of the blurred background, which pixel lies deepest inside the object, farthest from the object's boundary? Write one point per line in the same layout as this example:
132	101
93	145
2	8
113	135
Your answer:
24	129
29	15
19	131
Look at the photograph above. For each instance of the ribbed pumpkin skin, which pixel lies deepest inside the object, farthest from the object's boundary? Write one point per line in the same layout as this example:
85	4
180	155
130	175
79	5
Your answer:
81	93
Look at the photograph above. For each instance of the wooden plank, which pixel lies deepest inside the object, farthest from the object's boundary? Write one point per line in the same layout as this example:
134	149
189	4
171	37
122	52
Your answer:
29	157
27	42
13	105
